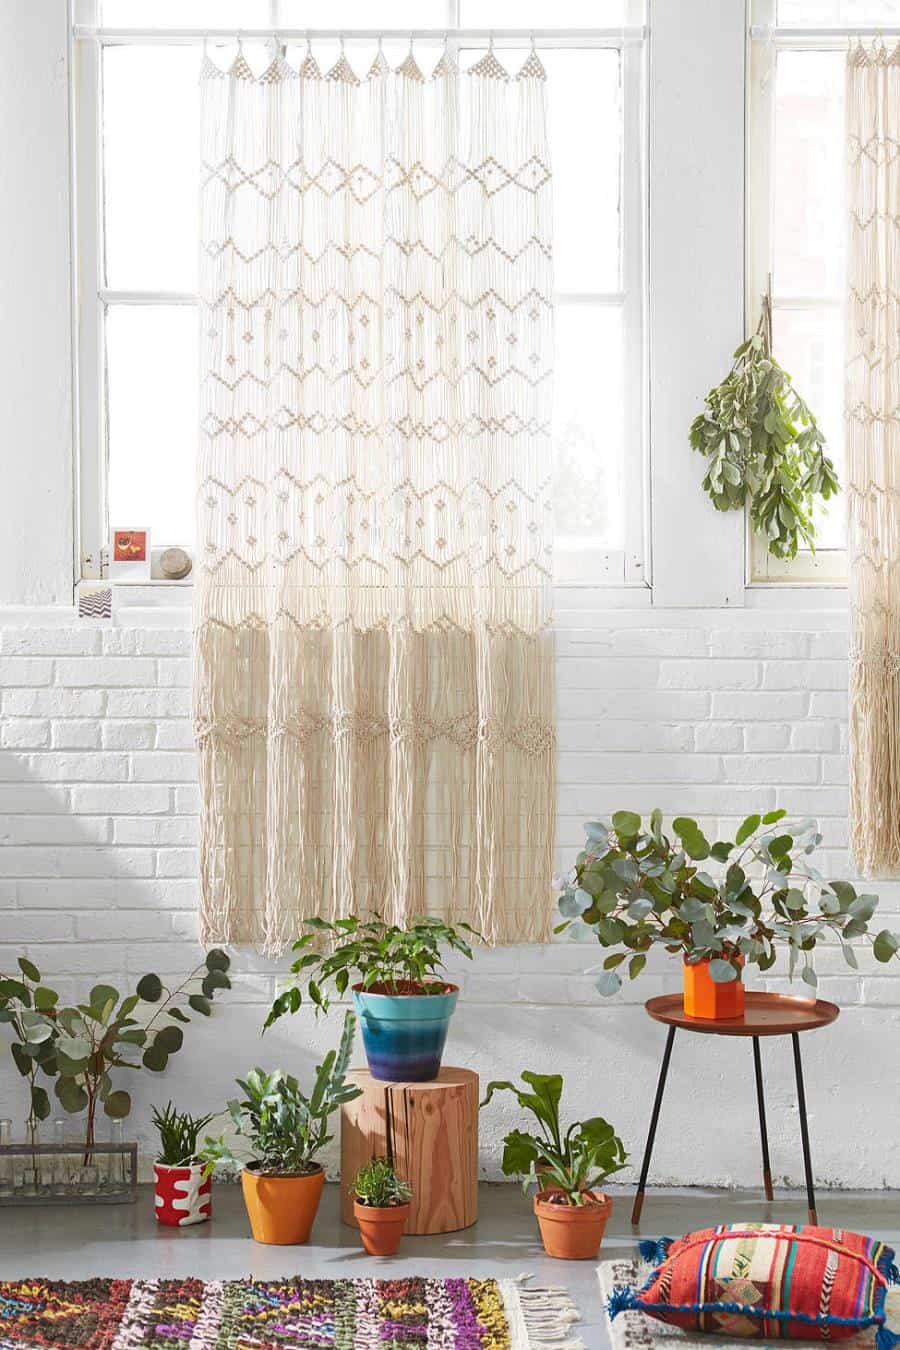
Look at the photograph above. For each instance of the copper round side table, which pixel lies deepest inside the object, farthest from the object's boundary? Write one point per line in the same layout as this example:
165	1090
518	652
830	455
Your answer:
764	1015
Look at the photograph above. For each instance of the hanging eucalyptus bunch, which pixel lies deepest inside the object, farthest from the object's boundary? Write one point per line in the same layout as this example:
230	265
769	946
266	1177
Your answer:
764	446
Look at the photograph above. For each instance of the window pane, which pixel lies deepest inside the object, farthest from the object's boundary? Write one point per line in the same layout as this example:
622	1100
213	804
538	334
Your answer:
837	13
808	216
809	343
151	355
361	14
561	14
151	123
184	13
588	426
585	129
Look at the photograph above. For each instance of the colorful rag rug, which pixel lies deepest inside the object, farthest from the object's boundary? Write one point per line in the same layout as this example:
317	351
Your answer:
291	1314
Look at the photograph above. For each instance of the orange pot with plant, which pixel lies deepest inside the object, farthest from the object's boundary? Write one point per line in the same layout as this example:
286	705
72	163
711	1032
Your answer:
572	1231
567	1167
380	1206
285	1129
705	996
282	1206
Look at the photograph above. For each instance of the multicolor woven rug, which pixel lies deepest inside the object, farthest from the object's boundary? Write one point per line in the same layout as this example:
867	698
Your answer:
294	1314
633	1330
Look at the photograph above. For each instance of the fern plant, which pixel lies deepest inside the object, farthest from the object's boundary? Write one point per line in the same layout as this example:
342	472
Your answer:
764	447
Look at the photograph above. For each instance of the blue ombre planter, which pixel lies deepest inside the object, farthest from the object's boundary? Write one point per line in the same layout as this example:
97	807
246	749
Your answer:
404	1034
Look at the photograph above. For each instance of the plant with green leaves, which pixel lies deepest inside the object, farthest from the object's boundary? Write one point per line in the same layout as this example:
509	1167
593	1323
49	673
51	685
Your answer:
387	959
178	1135
284	1128
764	446
633	887
573	1163
377	1184
79	1047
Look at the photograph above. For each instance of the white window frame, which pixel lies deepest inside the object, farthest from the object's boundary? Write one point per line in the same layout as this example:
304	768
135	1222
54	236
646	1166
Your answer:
627	567
827	566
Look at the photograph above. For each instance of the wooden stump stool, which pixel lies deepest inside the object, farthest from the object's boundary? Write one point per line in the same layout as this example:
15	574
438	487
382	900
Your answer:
431	1132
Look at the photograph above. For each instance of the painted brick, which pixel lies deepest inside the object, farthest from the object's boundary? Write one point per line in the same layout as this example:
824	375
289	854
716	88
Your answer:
50	641
755	707
76	734
709	674
761	736
128	735
148	703
25	733
105	672
120	799
24	672
165	767
146	642
54	702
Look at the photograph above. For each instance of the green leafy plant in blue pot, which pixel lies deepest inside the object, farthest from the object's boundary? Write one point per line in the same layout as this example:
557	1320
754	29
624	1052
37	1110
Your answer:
403	1003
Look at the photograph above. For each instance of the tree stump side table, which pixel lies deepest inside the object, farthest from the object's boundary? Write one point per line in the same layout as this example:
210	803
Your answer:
765	1015
431	1132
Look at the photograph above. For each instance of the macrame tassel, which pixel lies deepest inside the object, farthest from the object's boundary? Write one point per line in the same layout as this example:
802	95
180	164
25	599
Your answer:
887	1267
655	1250
885	1339
543	1317
622	1298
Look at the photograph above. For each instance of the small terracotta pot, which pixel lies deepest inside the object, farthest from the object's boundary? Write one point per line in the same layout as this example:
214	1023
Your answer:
704	998
572	1232
182	1195
281	1209
381	1229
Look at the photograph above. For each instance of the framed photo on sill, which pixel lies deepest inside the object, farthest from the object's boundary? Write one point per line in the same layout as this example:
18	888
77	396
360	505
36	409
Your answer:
129	553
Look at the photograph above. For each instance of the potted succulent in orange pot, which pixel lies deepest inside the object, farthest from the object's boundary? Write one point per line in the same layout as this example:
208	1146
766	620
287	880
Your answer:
282	1182
566	1168
380	1206
633	887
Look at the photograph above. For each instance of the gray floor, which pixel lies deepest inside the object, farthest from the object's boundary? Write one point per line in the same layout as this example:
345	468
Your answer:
74	1243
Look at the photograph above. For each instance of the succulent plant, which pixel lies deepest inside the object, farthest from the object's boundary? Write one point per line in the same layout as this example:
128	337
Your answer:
378	1185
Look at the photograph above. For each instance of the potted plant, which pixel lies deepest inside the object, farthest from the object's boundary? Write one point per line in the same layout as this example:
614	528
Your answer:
633	887
183	1190
380	1206
285	1129
81	1050
404	1006
567	1168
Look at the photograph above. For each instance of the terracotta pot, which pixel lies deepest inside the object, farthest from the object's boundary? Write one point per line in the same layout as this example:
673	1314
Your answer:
182	1195
704	998
572	1232
381	1229
281	1209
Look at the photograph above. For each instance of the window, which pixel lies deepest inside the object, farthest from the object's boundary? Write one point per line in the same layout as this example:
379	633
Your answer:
137	193
797	225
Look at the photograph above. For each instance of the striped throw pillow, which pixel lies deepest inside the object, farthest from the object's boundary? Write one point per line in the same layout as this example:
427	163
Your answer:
769	1280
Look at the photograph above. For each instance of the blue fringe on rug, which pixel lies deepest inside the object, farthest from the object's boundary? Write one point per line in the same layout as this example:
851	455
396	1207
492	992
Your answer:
622	1298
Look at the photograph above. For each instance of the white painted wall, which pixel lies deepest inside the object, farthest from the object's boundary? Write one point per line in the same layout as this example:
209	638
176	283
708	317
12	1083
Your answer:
712	711
36	453
709	713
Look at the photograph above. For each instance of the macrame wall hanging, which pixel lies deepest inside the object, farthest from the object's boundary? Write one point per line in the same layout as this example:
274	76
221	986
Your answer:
374	695
873	453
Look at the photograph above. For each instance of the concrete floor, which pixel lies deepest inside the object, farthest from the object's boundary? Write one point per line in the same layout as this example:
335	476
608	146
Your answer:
125	1240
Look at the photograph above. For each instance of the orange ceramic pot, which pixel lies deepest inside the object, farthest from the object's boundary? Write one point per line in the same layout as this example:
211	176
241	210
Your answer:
572	1232
381	1229
281	1209
704	998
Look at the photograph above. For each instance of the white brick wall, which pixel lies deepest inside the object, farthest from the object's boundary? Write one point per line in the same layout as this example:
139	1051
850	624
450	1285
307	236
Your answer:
715	714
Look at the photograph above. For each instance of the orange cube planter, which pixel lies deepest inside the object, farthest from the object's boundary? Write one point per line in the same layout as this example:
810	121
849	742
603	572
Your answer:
704	998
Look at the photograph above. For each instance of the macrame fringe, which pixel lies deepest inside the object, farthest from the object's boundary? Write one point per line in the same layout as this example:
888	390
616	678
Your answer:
540	1319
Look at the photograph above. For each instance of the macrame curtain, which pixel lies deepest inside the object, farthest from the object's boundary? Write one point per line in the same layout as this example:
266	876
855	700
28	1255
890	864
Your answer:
873	449
373	664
